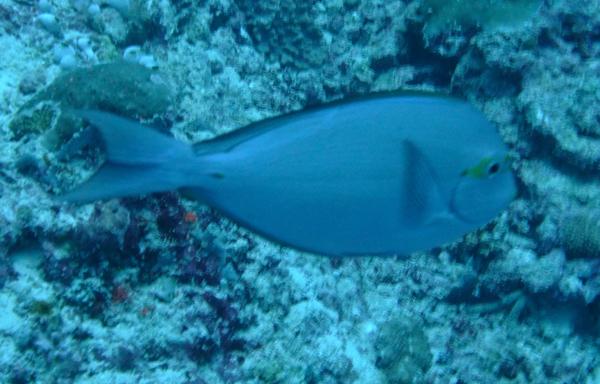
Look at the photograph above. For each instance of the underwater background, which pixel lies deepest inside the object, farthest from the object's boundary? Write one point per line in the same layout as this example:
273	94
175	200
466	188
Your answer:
162	289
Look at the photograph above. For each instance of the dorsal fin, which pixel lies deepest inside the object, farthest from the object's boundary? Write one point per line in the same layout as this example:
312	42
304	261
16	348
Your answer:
229	140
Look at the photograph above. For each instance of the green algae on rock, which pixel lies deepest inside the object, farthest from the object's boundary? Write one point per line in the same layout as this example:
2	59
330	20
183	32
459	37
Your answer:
127	88
403	352
34	120
122	87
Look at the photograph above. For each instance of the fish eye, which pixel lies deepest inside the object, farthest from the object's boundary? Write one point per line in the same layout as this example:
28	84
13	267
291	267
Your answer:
493	168
487	167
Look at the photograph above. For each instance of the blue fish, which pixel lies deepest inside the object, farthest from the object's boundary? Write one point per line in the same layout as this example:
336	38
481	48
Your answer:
388	174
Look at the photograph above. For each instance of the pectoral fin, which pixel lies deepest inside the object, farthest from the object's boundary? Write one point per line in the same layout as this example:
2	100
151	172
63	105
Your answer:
422	202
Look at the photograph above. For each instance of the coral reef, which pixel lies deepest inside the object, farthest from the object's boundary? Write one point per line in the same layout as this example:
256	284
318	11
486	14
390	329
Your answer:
47	128
163	289
487	14
286	31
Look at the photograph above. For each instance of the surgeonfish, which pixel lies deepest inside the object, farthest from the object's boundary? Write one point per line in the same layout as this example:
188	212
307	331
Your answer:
387	174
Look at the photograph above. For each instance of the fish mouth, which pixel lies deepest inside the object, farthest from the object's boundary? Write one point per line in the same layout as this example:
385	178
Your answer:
455	212
458	214
477	204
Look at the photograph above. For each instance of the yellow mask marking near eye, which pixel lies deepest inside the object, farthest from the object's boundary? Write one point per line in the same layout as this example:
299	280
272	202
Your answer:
481	170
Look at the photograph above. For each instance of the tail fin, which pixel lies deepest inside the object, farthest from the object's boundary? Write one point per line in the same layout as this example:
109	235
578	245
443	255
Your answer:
139	160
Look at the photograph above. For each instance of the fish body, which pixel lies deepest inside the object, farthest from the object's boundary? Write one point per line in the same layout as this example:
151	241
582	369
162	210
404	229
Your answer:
390	174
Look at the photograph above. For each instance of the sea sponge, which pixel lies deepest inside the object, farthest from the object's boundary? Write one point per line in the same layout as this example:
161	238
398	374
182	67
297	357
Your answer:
580	234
